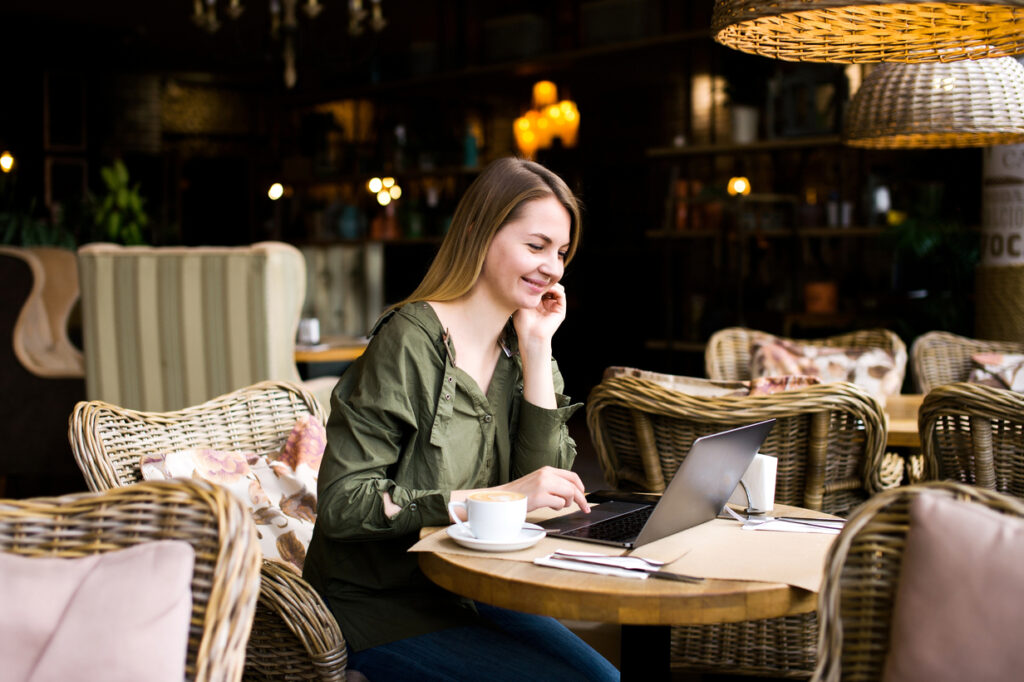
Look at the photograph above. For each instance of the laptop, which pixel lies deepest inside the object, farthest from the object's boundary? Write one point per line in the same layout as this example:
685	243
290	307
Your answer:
700	488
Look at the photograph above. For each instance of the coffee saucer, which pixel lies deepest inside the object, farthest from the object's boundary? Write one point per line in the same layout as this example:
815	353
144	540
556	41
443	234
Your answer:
529	536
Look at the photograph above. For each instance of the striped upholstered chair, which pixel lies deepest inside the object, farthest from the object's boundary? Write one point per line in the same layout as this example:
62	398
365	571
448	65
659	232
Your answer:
168	327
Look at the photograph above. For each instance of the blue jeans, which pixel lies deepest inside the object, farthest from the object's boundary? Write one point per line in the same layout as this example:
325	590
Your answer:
511	646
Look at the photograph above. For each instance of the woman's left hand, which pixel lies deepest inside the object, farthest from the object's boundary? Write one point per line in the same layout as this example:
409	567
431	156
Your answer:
541	323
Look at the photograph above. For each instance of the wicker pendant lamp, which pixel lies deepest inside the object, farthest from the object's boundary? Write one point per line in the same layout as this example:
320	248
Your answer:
972	103
853	31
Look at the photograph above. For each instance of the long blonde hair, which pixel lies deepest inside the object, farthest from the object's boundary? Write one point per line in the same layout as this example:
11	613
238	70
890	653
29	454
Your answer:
492	200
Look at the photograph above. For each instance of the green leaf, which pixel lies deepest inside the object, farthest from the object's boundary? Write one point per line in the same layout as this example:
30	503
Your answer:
109	179
114	226
121	173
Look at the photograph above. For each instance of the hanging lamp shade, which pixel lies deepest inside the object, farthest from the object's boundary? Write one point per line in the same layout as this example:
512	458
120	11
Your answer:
853	31
972	103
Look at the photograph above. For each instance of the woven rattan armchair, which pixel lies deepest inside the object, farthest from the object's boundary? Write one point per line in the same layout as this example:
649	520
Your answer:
294	635
861	576
938	358
974	434
727	355
829	440
225	579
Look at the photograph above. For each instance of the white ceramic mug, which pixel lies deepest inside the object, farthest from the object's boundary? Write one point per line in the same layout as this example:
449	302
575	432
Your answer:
759	479
309	331
492	515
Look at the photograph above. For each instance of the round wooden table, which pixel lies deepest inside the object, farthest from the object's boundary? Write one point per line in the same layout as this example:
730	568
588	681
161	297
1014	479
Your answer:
645	608
524	586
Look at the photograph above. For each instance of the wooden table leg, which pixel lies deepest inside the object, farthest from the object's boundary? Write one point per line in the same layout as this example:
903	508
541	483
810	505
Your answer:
646	652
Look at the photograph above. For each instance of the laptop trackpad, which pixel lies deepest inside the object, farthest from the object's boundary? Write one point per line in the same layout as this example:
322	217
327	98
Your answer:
598	512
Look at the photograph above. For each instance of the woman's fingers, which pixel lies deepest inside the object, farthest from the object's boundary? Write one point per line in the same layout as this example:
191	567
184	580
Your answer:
554	488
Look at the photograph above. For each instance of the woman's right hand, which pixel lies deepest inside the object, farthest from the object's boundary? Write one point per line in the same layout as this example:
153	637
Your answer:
550	487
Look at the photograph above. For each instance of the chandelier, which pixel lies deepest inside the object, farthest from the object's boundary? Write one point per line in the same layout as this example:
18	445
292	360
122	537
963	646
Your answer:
284	22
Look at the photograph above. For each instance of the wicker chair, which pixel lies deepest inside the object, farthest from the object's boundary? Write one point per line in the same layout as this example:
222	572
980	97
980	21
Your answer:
861	576
727	355
225	580
829	440
294	635
939	358
974	434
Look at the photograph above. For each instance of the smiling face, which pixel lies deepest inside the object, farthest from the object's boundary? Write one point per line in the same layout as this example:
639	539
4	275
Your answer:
527	255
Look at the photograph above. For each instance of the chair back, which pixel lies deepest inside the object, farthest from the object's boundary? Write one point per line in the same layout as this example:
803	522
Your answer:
829	438
225	581
108	440
974	434
862	573
727	354
294	634
41	373
168	327
938	358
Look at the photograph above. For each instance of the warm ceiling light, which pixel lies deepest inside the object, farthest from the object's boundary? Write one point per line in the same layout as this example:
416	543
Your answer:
6	162
871	30
383	198
387	182
545	93
276	191
738	186
549	119
395	192
956	104
375	185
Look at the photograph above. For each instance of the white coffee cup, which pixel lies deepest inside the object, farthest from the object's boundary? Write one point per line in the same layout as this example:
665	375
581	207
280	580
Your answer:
309	331
492	515
759	479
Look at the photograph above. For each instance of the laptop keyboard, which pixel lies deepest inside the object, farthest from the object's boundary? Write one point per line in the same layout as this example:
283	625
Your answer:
618	529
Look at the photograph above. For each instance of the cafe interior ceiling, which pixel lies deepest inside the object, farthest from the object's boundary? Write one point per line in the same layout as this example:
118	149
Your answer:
161	36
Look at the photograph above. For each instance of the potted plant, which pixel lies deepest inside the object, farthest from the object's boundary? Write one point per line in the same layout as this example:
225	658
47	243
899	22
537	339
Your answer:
120	215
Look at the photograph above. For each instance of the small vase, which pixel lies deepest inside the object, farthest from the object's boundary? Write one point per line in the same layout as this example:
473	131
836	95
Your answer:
744	123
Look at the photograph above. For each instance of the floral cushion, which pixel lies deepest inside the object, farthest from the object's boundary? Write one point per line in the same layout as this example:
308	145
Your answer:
280	489
873	369
713	388
1001	370
778	384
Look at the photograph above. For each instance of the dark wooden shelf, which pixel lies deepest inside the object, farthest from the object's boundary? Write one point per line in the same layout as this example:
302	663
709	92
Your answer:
803	232
752	148
673	345
498	72
400	241
410	174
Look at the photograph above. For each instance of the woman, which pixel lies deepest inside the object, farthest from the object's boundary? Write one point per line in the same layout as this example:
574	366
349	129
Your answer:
456	392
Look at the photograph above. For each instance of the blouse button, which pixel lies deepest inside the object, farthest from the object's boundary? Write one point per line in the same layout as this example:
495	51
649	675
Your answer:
487	418
412	507
447	396
450	380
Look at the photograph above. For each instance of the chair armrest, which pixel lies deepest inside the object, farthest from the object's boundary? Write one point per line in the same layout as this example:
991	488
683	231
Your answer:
286	598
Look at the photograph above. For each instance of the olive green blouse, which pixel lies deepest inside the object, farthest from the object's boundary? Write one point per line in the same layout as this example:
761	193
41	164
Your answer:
404	419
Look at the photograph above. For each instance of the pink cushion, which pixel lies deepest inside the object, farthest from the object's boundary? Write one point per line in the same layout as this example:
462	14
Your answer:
280	490
1001	370
873	369
957	614
118	616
